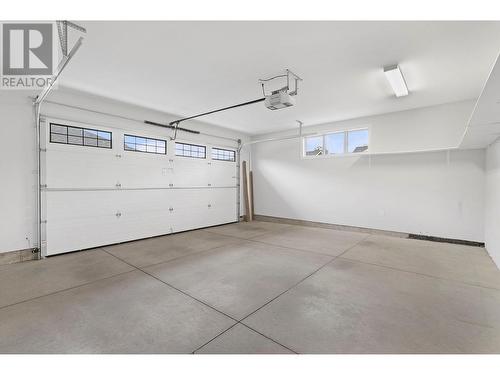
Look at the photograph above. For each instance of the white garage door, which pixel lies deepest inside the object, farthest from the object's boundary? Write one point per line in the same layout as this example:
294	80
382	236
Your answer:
105	185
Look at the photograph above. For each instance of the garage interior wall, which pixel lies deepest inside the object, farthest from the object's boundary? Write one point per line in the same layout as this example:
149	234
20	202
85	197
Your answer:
451	194
17	191
492	201
438	193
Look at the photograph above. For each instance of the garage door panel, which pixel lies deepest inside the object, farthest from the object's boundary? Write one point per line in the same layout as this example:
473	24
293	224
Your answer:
71	204
224	209
77	220
198	208
190	208
223	173
70	168
189	172
137	170
82	219
212	207
96	197
71	235
145	213
223	196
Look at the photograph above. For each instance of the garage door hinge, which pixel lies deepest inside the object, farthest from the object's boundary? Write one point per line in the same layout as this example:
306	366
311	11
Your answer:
171	209
43	221
44	186
43	149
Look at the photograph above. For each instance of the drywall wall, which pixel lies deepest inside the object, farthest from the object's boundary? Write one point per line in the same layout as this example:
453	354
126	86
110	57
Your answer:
17	171
492	202
434	127
18	157
436	193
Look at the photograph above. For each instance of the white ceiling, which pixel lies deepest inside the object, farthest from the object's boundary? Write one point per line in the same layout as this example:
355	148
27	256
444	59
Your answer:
189	67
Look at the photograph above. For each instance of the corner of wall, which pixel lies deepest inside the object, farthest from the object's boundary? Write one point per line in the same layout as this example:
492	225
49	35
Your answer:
492	202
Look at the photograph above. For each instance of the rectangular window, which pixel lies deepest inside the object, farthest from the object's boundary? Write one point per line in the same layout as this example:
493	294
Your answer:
357	140
73	135
314	146
143	144
222	154
190	151
342	142
334	143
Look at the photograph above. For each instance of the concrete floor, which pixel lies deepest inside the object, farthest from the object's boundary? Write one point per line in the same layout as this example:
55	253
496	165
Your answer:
255	288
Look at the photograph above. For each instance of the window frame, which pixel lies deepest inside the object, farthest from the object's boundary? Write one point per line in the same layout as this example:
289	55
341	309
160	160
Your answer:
223	149
146	138
82	136
346	144
189	156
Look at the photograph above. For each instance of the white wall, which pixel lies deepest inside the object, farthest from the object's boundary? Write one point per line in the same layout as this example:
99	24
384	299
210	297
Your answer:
436	193
17	171
434	127
418	193
492	202
18	157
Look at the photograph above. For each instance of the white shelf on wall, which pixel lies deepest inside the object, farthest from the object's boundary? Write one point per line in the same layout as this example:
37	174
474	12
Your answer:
363	154
344	155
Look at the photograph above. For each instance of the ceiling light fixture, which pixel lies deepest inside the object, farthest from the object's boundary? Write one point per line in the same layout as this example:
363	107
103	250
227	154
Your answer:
396	79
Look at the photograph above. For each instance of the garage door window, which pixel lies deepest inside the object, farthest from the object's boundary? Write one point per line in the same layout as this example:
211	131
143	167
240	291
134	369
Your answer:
143	144
73	135
222	154
190	151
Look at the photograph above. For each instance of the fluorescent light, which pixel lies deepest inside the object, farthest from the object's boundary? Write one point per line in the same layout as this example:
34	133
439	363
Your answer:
396	79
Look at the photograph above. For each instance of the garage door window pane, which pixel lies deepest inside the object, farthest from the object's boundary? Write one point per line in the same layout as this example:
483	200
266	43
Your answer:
222	154
58	138
59	129
75	131
87	133
334	143
104	135
143	144
313	146
72	140
129	139
190	151
357	140
90	142
103	143
75	135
